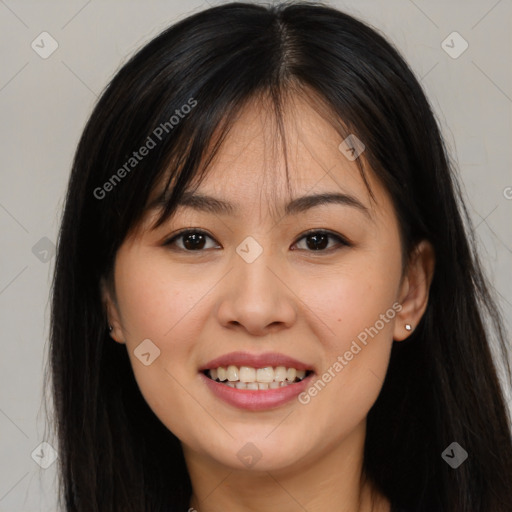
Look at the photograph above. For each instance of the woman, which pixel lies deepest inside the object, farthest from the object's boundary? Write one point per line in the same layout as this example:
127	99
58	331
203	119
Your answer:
265	295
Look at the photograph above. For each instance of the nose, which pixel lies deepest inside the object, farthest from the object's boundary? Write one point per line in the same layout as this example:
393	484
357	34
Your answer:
257	297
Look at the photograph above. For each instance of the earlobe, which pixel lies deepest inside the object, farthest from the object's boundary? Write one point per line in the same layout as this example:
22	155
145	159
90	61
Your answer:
114	325
414	291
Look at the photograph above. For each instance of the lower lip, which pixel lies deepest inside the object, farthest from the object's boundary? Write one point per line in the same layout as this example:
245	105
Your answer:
256	400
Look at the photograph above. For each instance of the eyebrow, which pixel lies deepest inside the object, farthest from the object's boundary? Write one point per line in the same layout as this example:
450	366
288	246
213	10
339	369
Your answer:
209	204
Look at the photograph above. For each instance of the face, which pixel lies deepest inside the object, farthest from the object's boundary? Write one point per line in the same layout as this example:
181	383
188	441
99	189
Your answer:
312	292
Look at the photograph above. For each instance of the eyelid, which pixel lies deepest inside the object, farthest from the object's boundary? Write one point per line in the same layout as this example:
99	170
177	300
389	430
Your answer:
344	240
172	238
341	239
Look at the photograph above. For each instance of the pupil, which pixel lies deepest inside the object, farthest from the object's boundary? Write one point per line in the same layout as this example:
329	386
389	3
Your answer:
315	246
197	240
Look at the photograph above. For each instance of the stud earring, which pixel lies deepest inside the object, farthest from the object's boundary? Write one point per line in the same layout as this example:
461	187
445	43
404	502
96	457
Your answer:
408	327
110	328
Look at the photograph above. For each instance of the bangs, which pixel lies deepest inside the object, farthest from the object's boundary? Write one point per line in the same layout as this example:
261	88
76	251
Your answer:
195	150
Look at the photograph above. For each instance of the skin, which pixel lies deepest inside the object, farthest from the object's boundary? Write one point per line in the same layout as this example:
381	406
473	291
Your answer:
307	304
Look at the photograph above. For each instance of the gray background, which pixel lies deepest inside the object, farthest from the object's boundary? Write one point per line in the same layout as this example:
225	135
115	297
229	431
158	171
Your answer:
44	104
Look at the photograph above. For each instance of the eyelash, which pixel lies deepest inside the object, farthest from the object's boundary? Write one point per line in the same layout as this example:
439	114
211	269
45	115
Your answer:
342	240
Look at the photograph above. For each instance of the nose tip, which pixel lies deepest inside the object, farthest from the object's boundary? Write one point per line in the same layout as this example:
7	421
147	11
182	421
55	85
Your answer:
256	299
256	328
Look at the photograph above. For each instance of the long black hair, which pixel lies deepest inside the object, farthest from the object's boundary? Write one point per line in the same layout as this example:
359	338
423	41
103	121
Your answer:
177	97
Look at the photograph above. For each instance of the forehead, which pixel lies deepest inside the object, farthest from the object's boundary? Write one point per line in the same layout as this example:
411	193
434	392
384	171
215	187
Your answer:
287	171
259	155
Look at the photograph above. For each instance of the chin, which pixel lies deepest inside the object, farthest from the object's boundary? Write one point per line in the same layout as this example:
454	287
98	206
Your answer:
259	451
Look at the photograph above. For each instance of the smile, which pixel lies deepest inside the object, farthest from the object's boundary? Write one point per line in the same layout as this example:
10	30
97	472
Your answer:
248	377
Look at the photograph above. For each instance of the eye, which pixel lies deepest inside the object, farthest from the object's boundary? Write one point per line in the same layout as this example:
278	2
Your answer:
317	240
193	240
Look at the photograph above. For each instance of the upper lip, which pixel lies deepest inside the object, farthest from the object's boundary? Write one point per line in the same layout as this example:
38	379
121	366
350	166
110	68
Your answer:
255	361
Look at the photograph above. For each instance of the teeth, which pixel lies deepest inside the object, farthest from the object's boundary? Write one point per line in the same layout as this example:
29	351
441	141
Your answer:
265	374
257	385
232	373
221	373
291	373
300	374
247	374
279	374
246	377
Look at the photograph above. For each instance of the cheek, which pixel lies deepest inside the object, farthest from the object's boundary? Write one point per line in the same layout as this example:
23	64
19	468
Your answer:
167	304
358	311
154	297
361	294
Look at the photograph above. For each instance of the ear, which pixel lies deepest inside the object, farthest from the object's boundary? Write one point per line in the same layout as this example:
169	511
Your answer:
113	316
414	290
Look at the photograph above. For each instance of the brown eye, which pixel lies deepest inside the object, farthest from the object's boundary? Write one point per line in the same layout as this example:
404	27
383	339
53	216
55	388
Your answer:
192	240
319	240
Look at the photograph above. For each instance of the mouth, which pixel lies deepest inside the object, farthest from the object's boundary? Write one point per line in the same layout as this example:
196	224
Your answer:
256	382
256	379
